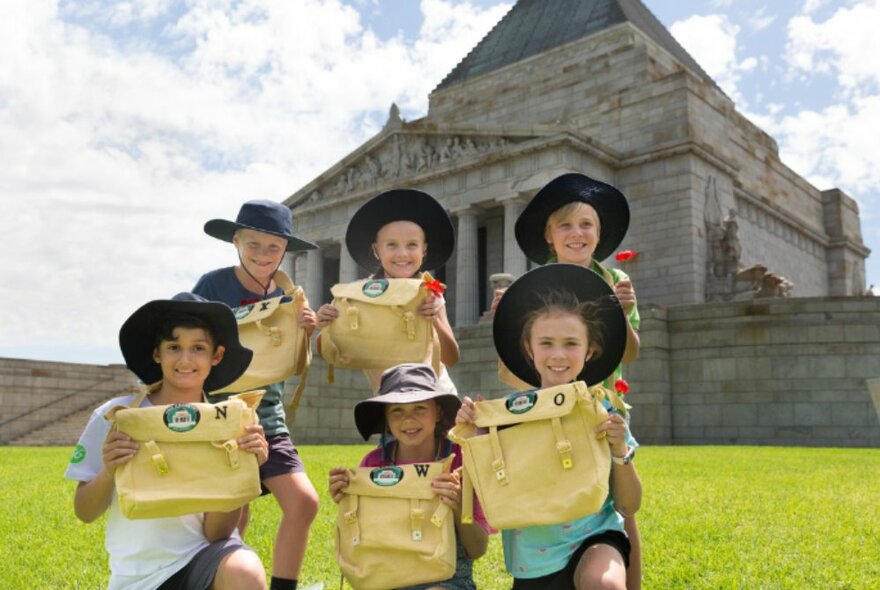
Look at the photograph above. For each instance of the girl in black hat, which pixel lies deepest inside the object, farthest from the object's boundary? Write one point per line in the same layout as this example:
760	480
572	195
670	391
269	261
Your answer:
180	348
398	234
557	324
262	233
411	407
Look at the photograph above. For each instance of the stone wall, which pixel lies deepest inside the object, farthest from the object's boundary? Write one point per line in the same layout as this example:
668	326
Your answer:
35	393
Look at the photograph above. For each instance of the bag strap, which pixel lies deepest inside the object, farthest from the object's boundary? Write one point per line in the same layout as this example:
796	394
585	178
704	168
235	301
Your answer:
282	280
498	462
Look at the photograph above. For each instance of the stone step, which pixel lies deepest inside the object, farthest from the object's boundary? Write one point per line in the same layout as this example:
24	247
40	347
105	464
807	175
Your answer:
63	433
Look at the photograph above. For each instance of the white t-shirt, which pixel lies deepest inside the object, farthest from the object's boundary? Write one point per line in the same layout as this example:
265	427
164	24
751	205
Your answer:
143	553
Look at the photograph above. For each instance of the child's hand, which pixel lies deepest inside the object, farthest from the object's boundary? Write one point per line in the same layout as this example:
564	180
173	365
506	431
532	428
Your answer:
467	413
495	299
307	319
255	442
448	487
430	307
118	450
614	430
326	314
625	294
338	482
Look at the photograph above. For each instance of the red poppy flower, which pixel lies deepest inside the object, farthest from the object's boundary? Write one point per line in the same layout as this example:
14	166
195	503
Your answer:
621	386
435	287
625	255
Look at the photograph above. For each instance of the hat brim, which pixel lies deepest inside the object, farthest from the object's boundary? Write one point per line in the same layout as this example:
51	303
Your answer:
223	229
401	205
610	204
369	414
526	294
138	333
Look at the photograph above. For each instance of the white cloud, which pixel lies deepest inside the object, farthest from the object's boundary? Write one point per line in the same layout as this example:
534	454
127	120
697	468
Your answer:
712	41
760	20
115	148
845	46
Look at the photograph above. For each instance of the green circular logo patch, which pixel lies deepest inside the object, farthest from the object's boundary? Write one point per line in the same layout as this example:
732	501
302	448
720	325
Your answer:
243	311
386	476
79	453
375	288
520	403
181	417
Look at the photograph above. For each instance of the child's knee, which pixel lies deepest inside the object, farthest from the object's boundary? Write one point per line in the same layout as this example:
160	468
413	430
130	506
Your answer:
240	569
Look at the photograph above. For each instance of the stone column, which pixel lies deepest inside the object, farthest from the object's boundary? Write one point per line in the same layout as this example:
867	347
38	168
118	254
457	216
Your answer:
348	269
288	265
314	276
466	292
515	261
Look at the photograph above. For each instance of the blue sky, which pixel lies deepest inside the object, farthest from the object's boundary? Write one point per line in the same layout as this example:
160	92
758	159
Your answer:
125	125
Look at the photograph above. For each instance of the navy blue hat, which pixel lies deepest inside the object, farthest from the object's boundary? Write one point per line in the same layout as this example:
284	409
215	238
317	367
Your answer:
260	215
527	294
138	335
401	205
609	203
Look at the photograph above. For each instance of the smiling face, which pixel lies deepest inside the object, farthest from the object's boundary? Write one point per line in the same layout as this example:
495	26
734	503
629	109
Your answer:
413	426
187	358
400	247
558	346
260	253
573	233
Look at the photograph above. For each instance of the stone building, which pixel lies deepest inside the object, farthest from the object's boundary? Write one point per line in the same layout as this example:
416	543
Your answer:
601	87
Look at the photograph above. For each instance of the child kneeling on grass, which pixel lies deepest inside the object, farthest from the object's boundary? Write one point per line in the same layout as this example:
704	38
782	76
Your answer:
183	347
410	408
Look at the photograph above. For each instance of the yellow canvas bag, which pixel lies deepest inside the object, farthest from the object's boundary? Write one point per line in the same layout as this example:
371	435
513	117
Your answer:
281	346
188	460
378	326
392	530
535	459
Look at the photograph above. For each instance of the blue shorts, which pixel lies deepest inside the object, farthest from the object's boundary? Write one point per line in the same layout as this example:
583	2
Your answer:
283	458
199	573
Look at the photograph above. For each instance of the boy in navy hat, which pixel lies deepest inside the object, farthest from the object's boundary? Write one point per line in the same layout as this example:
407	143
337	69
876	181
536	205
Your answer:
180	348
262	233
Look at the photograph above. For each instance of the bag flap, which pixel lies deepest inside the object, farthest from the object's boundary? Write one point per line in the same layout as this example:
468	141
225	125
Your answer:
396	481
380	291
528	406
260	310
185	422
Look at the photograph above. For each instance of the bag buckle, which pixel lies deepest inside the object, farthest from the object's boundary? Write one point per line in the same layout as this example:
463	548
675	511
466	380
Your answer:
409	325
417	517
231	448
352	313
500	472
157	457
275	336
563	447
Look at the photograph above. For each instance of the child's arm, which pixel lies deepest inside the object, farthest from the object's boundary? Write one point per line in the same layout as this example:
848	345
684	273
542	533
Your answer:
626	487
92	498
626	294
220	525
473	536
434	309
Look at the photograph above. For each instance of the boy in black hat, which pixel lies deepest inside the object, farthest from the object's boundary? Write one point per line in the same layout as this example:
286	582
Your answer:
179	347
262	233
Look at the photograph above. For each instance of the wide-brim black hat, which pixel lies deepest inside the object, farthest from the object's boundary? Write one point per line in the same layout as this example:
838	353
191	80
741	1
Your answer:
401	205
528	293
260	215
404	384
137	338
609	203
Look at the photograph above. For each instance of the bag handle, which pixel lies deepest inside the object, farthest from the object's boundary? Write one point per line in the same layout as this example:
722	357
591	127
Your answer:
299	302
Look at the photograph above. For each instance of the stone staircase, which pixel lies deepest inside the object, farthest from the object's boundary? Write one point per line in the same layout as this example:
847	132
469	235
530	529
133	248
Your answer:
47	403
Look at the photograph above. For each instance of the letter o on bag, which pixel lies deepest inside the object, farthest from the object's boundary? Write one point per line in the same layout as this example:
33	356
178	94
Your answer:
559	399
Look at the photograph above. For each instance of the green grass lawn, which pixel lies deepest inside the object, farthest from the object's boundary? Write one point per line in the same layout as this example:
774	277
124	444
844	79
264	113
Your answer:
712	517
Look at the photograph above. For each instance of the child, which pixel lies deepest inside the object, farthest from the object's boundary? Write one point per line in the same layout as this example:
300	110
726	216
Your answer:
398	234
557	324
262	233
411	407
187	345
579	220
